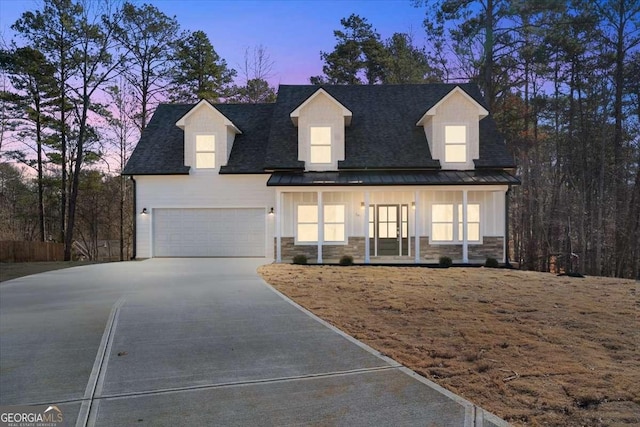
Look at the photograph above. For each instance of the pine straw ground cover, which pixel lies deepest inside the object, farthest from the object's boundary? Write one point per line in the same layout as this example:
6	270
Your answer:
533	348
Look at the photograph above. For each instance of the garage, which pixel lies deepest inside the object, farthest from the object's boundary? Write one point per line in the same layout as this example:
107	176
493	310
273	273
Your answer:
237	232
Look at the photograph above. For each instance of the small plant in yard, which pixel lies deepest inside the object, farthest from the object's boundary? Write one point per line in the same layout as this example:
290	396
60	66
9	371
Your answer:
445	262
491	263
300	259
346	260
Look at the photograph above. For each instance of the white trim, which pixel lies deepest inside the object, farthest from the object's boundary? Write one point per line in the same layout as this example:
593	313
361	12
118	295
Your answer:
482	112
320	228
216	145
416	226
456	222
465	232
181	123
295	114
367	238
279	217
468	163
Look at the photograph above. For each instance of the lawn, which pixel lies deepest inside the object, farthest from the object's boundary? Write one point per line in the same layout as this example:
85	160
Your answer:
533	348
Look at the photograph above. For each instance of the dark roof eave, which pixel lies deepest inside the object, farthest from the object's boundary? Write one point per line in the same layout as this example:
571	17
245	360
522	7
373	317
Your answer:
154	173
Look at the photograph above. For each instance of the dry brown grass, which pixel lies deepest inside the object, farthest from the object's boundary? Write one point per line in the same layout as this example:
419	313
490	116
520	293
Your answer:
533	348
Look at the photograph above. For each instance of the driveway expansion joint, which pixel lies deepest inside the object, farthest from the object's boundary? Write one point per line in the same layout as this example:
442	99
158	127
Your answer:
245	383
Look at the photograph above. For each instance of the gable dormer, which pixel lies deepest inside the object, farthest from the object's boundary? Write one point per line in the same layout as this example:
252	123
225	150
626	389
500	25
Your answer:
208	137
321	121
452	128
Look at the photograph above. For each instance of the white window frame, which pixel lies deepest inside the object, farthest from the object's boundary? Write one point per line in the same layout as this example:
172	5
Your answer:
457	238
344	223
297	223
464	144
311	145
214	152
325	242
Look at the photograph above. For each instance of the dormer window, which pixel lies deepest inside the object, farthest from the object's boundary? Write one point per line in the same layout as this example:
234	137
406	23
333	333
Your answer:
320	141
205	151
455	144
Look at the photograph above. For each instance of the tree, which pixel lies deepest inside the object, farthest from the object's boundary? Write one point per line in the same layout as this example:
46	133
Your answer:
79	42
31	75
357	58
255	71
148	36
122	126
406	63
199	71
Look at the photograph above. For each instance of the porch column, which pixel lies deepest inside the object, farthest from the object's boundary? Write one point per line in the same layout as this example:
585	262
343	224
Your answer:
416	227
465	234
367	248
279	216
320	226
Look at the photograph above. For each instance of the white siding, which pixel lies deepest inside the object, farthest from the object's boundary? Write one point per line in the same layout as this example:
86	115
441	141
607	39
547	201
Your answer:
205	120
455	110
321	111
205	189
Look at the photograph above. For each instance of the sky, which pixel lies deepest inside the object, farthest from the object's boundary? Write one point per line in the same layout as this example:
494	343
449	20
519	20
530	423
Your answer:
292	31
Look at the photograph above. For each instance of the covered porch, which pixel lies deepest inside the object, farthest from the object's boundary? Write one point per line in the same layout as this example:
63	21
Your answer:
389	224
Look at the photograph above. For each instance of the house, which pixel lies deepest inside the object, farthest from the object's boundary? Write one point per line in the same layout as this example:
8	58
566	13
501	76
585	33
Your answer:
384	173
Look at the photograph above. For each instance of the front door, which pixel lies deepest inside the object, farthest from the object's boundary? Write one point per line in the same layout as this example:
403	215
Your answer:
391	230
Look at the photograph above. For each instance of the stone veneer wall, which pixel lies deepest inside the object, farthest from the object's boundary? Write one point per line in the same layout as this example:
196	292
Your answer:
491	247
354	247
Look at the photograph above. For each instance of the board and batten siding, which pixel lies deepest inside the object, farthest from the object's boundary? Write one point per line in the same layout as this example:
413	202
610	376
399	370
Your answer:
321	111
200	189
455	110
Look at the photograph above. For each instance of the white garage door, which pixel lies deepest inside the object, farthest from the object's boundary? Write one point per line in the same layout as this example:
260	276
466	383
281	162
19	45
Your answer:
208	232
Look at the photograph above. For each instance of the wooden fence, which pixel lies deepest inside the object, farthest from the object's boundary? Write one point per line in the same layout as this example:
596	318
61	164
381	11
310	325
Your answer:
30	251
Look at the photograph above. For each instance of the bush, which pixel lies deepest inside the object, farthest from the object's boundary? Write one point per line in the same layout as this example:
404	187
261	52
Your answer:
491	263
346	260
300	259
445	262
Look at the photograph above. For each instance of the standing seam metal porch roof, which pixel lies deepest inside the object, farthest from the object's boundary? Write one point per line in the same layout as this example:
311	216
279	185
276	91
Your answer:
362	178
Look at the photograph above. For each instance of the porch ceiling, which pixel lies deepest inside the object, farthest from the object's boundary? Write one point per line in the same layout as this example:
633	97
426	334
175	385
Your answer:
357	178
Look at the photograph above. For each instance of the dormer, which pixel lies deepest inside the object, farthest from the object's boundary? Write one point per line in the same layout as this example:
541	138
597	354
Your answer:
321	122
453	131
208	137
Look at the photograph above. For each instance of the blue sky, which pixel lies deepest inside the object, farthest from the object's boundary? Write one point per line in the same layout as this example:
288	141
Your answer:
294	31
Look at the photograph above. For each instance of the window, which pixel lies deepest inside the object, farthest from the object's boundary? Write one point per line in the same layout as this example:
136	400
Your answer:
205	151
307	223
334	223
455	144
320	145
473	222
443	221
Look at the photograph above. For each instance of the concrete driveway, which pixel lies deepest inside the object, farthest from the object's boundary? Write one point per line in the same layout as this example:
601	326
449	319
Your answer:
168	342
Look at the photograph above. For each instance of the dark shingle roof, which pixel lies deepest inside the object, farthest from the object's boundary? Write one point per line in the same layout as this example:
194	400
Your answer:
382	135
161	147
354	178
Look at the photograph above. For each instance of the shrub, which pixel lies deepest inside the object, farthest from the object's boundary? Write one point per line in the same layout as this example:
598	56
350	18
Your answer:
346	260
300	259
491	263
445	262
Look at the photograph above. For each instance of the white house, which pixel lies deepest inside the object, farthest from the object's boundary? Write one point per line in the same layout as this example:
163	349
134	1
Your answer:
384	173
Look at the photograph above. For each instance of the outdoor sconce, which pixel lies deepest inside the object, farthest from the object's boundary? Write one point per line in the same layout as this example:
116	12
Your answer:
144	211
361	205
413	205
271	212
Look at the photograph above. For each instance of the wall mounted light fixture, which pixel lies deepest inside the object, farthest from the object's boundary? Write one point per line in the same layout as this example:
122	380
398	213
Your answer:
361	205
144	211
413	205
271	212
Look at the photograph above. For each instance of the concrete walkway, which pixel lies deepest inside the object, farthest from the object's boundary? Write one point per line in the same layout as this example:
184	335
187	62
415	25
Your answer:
169	342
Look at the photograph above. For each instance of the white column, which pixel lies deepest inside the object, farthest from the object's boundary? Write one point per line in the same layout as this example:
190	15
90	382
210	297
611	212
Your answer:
367	245
465	237
320	226
279	216
416	227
